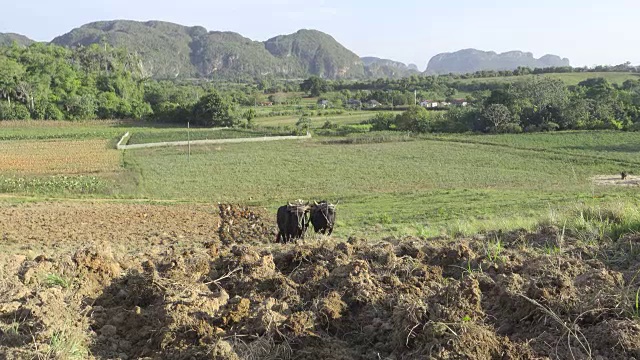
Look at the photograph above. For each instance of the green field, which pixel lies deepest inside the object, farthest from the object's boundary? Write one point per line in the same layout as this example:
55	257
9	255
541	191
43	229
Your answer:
39	130
568	78
387	183
145	136
354	117
426	185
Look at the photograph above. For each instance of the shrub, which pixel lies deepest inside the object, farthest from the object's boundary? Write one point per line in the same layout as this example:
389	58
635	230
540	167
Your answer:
415	119
303	125
381	122
52	112
20	112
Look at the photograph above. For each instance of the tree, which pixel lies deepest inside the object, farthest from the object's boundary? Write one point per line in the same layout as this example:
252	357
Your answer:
303	124
315	86
10	74
250	115
598	89
416	119
278	98
498	117
382	121
212	110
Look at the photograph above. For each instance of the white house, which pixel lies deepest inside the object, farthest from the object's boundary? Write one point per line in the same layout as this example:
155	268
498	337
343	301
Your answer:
459	102
323	103
371	104
429	104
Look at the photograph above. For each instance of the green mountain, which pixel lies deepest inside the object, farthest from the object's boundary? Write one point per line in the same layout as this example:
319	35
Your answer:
316	53
164	47
170	50
384	68
228	55
472	60
6	39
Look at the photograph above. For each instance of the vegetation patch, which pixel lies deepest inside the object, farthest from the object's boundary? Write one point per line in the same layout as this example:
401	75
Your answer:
57	184
69	157
435	184
168	135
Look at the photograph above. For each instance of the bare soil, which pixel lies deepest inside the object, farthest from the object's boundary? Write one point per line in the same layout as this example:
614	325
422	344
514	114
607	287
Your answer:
117	281
616	180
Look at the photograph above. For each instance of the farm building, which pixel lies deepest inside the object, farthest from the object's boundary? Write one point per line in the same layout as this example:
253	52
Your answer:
429	104
372	104
459	102
354	103
324	103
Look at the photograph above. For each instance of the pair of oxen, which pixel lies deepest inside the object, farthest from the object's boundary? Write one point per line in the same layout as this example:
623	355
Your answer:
293	219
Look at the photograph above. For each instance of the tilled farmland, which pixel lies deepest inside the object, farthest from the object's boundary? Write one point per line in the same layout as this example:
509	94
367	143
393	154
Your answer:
122	281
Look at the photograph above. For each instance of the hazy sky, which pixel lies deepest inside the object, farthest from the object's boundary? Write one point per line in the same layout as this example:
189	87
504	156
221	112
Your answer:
588	32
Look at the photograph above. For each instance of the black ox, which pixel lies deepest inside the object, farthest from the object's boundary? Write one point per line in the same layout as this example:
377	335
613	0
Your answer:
293	221
323	217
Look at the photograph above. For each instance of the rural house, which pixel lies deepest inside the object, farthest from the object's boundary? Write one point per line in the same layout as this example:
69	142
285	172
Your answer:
323	103
429	104
459	102
354	103
372	104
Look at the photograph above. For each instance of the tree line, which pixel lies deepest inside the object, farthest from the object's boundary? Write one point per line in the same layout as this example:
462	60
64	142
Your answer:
534	104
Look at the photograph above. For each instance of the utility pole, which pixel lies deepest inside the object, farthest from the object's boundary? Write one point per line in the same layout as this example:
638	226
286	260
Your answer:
415	97
189	141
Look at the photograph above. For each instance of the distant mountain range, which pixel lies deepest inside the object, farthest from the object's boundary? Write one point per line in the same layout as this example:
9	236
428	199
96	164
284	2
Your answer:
172	51
384	68
472	60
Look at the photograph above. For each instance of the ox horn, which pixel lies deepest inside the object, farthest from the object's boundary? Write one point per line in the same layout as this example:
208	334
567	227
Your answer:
315	202
290	204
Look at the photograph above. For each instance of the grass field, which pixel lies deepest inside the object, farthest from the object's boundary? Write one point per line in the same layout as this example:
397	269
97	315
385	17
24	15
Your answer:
144	136
387	183
422	186
354	117
568	78
47	130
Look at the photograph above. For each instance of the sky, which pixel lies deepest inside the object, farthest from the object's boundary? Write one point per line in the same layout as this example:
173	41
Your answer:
588	32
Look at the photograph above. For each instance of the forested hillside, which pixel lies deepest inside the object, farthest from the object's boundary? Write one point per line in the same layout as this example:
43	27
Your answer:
169	51
7	39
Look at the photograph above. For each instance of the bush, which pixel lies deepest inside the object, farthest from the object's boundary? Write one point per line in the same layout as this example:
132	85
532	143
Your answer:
20	112
510	129
139	109
381	122
213	110
52	112
635	126
6	111
416	119
303	125
329	125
